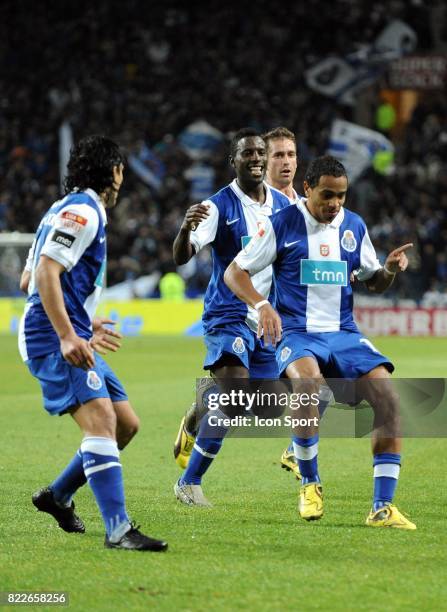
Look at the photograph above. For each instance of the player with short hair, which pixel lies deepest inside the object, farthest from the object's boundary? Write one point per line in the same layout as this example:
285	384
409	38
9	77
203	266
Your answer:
314	247
227	221
64	276
282	163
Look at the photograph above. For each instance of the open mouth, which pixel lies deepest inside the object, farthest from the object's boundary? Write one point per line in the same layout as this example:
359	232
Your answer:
256	170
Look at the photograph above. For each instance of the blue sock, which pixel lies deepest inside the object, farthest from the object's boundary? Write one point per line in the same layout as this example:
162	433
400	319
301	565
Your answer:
102	469
322	405
306	453
205	449
386	474
69	481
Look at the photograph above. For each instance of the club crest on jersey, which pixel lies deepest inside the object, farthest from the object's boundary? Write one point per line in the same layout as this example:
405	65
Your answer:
261	228
324	250
245	240
285	353
238	345
93	380
348	242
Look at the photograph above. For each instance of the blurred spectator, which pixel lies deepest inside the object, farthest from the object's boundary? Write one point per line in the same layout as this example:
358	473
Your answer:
153	77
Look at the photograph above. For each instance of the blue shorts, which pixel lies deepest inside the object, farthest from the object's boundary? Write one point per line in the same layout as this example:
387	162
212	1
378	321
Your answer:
241	342
342	354
64	386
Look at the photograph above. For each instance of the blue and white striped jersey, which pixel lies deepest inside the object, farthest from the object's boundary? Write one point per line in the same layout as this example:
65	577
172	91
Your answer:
312	263
233	219
72	232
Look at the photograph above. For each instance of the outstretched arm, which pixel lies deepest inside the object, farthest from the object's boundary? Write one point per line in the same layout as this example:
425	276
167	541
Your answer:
396	261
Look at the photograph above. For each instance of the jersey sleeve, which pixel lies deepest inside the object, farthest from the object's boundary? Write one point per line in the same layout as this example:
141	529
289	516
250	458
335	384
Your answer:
206	230
74	230
369	263
260	252
29	259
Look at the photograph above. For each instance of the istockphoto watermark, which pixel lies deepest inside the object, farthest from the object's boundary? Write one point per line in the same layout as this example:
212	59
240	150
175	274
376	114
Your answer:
335	407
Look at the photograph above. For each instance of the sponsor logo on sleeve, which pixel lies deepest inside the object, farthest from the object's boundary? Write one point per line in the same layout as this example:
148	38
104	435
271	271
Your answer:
93	380
348	242
71	216
62	238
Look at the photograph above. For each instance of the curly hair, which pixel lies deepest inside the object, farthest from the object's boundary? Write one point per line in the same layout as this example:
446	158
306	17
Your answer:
91	164
323	166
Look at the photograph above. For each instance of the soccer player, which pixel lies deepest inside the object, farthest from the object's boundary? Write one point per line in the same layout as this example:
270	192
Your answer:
64	276
314	246
227	221
282	163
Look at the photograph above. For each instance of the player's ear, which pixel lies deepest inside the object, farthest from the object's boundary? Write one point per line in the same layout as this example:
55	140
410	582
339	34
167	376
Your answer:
231	160
306	187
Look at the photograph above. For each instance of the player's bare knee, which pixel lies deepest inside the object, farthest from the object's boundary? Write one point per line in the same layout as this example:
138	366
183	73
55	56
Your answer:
97	418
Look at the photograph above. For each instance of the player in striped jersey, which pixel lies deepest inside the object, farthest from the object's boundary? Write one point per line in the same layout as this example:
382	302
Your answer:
227	221
64	276
282	163
314	247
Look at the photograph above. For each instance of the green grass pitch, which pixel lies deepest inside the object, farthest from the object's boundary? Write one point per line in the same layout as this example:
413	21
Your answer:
251	551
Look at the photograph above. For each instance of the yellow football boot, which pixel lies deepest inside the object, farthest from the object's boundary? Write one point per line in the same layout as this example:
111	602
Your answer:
310	504
289	463
183	446
389	516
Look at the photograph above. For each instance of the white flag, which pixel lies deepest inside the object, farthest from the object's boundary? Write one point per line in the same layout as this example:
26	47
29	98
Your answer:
65	144
355	146
341	78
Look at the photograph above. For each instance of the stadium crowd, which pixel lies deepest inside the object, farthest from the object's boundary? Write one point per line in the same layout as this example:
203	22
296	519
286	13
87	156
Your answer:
110	68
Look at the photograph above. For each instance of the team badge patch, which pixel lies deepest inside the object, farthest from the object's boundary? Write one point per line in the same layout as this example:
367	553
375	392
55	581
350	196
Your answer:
93	380
261	228
348	242
324	250
238	345
285	353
